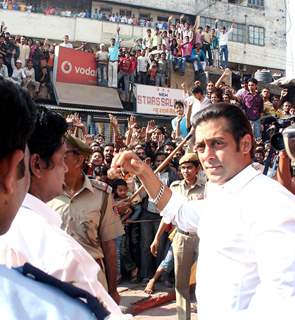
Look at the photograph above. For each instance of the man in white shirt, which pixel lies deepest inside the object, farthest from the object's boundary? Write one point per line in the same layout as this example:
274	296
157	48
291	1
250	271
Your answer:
35	235
66	43
142	65
24	51
246	266
18	74
223	43
102	65
199	102
30	80
21	297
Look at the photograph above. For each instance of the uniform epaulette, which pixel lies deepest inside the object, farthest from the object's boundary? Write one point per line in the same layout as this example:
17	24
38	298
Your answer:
101	186
175	183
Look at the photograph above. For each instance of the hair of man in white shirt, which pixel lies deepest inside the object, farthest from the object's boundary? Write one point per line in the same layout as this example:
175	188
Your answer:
18	113
66	39
198	93
47	150
224	141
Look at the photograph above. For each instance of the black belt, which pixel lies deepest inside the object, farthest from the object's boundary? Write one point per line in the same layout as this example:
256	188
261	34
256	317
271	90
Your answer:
186	233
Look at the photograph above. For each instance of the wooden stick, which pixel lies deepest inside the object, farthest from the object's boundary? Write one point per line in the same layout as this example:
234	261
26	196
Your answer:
164	163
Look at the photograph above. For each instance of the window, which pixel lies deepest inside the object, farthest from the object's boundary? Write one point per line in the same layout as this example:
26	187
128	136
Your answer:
238	34
144	16
106	10
256	3
256	35
126	13
162	19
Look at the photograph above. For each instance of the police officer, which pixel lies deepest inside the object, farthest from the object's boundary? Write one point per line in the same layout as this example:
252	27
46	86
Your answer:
185	244
87	214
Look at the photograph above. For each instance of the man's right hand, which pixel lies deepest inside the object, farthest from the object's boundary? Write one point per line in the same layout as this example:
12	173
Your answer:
128	162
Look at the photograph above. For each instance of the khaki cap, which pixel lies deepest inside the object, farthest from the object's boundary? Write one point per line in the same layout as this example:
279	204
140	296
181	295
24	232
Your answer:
188	157
78	144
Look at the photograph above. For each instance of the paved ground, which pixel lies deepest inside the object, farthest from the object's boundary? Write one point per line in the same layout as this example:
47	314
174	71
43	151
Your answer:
133	296
165	312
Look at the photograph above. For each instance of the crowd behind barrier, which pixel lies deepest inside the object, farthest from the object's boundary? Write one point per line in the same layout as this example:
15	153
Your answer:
29	63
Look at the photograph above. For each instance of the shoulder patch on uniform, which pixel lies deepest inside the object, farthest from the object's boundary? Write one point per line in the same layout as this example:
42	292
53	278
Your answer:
175	183
101	186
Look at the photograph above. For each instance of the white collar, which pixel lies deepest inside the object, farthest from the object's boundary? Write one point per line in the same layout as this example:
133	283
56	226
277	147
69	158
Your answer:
42	209
236	183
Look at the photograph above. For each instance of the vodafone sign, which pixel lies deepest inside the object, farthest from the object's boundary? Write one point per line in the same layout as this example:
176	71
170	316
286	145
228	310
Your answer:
75	67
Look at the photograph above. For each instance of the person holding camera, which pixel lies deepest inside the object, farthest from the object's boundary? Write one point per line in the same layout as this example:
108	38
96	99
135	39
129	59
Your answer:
284	172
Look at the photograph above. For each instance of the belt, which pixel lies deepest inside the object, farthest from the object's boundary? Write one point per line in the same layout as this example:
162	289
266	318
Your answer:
186	233
113	60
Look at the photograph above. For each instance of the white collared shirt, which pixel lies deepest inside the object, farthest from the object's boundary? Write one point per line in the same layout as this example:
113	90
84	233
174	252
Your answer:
223	37
35	237
246	264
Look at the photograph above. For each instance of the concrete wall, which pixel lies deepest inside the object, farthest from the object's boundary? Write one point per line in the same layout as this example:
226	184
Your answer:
79	29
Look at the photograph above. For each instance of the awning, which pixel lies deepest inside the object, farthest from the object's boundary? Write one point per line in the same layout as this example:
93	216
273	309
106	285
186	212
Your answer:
95	96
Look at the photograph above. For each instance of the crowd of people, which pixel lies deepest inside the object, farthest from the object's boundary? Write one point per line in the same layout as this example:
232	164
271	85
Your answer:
27	62
152	58
149	61
102	222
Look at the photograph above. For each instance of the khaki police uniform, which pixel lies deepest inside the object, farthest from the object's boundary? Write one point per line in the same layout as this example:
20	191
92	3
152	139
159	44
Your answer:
185	246
89	218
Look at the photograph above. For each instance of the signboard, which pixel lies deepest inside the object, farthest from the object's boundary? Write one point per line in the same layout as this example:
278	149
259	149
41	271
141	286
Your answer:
157	100
75	67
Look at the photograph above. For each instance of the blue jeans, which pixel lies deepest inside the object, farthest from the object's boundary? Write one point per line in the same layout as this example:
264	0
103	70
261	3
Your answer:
256	128
168	263
160	80
142	77
102	74
181	63
126	79
223	56
148	230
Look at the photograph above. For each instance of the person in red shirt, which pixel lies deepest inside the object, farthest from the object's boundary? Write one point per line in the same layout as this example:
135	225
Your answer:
125	70
186	51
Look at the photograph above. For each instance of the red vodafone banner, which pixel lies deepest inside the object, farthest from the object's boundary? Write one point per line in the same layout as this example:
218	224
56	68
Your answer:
75	67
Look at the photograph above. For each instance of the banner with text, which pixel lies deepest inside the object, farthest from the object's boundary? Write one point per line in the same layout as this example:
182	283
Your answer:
157	100
75	67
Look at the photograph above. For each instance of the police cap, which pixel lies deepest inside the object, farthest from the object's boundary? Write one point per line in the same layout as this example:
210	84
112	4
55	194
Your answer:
78	144
189	157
